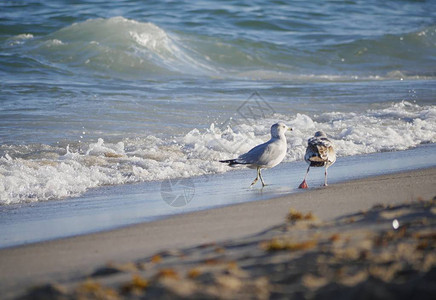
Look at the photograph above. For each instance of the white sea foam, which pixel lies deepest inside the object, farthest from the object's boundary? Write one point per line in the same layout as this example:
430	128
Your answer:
20	39
43	172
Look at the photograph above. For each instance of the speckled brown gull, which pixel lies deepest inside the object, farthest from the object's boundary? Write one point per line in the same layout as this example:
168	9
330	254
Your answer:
320	152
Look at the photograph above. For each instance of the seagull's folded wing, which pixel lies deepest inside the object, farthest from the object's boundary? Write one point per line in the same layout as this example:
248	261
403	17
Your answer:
253	156
320	150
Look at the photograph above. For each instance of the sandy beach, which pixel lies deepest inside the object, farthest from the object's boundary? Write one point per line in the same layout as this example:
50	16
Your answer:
159	254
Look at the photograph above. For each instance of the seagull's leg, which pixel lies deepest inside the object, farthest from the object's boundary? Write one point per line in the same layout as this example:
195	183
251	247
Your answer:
307	172
261	179
325	177
303	184
257	178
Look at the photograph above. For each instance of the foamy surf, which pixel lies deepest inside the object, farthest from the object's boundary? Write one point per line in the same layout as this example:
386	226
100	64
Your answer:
41	172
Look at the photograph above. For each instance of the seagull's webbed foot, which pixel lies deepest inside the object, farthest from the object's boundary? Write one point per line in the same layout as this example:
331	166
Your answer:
303	185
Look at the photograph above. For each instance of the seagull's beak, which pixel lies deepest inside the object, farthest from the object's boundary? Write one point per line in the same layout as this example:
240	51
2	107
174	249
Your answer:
289	129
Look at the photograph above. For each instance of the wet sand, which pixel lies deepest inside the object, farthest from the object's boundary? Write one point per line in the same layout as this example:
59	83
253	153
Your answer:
254	249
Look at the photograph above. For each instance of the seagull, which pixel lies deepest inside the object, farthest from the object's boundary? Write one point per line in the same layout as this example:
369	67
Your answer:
266	155
320	152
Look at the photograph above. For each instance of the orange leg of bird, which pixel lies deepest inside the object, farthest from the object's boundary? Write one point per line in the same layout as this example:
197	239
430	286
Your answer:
303	185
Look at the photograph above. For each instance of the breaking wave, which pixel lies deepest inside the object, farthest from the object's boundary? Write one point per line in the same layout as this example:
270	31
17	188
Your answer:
123	48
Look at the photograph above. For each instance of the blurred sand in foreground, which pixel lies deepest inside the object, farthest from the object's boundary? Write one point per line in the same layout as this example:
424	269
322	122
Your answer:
373	238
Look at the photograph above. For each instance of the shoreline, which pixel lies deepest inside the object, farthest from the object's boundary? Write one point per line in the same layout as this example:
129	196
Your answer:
68	258
112	207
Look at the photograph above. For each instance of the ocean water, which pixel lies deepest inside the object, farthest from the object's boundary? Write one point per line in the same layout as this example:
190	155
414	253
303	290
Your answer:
101	93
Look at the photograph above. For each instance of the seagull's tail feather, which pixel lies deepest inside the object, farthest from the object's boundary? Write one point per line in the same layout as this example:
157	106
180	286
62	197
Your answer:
232	162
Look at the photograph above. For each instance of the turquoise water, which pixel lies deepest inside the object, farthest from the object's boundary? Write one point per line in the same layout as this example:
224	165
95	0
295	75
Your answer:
107	93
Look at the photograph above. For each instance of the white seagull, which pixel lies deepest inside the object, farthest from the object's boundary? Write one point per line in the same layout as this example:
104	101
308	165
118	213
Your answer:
267	155
320	152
